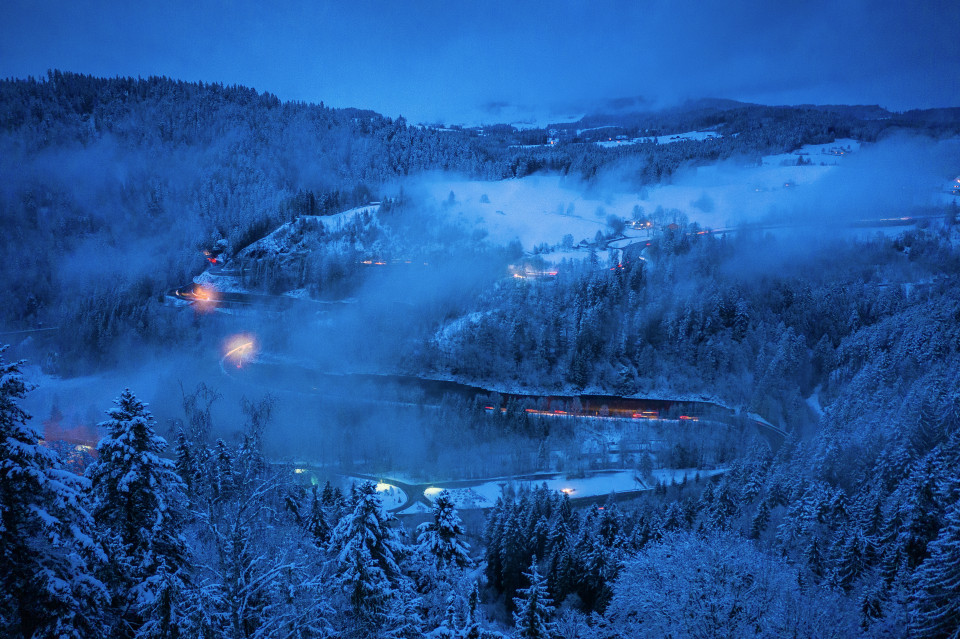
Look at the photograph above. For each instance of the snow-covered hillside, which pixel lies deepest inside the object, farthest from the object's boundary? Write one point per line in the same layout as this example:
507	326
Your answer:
294	236
542	209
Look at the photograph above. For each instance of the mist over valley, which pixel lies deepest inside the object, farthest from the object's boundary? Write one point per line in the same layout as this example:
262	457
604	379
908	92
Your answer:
541	360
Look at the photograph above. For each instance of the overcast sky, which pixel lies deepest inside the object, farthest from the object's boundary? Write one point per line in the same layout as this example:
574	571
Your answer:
459	61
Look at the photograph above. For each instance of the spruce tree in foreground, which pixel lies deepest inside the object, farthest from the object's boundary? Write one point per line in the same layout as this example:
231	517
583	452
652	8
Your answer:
138	500
47	551
365	558
472	624
534	607
440	539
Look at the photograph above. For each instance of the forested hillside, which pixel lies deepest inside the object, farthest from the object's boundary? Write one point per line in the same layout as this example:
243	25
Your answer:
113	187
849	527
820	499
859	505
143	174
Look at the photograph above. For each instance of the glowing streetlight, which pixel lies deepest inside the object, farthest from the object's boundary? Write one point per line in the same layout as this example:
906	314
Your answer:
239	348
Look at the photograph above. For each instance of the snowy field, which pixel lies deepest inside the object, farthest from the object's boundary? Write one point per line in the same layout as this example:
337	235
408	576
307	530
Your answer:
534	210
391	496
485	495
542	209
723	195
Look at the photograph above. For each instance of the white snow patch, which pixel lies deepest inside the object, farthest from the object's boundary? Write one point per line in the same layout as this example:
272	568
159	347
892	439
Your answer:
695	136
278	241
332	222
720	196
538	209
541	209
391	496
222	283
417	508
485	495
814	402
453	328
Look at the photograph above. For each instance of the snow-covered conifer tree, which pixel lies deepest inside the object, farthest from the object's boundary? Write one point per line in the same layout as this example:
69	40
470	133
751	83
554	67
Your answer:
403	619
451	623
222	470
186	464
138	501
471	627
492	539
47	551
316	522
366	553
440	539
534	607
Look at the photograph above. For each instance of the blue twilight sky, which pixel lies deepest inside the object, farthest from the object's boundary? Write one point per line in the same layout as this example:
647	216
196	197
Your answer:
502	61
